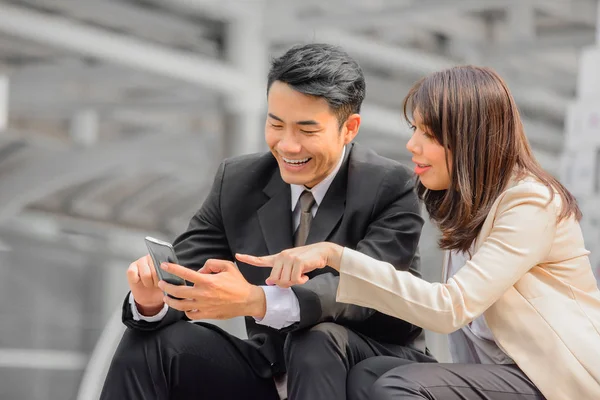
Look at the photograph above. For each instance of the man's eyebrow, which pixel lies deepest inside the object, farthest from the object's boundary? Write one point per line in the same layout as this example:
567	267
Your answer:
275	117
305	122
308	122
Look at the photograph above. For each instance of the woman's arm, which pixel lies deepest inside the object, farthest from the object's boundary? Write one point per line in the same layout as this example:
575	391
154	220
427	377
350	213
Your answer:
521	237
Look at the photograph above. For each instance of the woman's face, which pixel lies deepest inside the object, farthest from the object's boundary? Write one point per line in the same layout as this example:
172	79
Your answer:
429	156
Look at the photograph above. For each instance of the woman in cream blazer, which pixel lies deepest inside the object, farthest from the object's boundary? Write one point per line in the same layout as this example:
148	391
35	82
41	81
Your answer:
524	289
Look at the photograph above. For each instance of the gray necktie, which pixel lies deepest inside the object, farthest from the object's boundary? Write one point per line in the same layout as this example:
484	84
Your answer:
306	202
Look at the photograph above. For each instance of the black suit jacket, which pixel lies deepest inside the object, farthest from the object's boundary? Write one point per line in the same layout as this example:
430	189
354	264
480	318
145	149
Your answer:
371	206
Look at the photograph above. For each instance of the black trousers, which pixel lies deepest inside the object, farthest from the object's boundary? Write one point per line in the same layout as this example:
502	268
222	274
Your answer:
380	378
189	361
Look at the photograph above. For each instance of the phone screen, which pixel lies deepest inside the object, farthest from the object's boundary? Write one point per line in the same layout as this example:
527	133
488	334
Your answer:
161	252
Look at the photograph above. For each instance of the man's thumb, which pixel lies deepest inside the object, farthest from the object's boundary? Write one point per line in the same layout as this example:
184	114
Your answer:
215	266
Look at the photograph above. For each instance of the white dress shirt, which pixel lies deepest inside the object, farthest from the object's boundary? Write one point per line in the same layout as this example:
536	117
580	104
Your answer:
283	308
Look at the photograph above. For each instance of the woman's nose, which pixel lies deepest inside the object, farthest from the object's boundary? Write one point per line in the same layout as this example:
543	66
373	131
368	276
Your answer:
412	146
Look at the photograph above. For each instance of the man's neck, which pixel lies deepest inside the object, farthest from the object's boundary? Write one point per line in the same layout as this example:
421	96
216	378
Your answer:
320	189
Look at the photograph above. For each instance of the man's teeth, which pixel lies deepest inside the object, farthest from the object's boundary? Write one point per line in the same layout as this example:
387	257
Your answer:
423	165
287	160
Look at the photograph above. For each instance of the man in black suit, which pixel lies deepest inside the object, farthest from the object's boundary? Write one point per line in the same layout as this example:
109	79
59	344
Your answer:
314	185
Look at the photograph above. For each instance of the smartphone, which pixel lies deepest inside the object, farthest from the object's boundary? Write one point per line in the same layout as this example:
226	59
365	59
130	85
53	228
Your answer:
160	252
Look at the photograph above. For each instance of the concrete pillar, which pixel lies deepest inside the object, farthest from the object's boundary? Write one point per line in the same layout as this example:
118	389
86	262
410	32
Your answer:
581	157
598	24
84	128
3	102
521	21
247	50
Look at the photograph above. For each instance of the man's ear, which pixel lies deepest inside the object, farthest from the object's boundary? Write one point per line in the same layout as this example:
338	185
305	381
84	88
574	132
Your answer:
350	128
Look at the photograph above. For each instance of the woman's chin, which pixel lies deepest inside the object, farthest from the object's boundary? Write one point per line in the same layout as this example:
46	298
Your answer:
432	184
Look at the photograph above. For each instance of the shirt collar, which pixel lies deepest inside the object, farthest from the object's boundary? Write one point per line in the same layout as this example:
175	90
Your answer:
320	189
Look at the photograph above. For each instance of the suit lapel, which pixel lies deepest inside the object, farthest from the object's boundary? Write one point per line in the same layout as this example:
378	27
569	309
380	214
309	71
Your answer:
275	216
332	207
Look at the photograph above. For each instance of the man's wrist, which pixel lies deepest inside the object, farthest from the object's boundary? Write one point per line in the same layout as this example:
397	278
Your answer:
148	311
257	303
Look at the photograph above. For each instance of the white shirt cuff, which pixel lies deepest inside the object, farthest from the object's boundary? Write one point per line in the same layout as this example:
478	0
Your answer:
283	308
139	317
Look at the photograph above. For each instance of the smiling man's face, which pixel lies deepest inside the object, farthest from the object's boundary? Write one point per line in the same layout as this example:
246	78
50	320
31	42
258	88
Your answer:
304	135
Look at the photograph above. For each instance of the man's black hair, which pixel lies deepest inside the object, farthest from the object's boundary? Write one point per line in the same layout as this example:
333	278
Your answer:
322	70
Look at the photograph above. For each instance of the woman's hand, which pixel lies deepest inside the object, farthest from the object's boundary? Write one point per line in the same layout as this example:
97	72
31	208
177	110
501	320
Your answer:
291	266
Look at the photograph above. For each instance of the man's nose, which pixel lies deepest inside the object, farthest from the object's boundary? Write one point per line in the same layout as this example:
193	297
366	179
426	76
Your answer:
289	144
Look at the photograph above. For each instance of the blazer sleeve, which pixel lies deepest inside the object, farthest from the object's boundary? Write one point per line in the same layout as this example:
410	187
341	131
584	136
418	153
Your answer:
204	239
392	235
521	238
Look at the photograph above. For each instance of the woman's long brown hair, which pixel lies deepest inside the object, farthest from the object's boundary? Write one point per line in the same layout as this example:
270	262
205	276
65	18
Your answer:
471	112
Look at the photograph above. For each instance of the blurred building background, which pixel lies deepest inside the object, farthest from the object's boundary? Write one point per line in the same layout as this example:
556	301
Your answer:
114	115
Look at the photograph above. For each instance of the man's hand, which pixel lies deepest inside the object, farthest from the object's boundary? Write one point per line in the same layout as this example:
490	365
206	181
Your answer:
143	283
219	292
